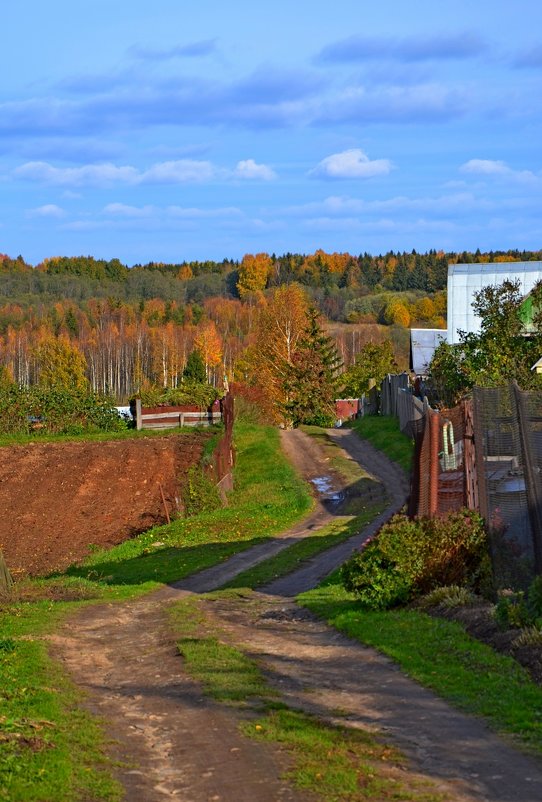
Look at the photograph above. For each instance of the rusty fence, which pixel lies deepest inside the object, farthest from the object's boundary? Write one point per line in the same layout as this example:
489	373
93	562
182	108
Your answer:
486	455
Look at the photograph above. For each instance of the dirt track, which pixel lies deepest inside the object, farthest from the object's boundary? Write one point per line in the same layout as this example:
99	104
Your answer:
57	498
187	748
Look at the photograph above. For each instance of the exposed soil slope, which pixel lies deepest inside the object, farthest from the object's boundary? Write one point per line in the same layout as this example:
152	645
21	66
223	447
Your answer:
57	498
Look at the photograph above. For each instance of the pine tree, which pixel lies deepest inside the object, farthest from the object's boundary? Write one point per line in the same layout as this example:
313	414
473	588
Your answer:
312	377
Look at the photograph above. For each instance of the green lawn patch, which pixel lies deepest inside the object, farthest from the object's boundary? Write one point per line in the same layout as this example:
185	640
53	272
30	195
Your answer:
440	655
384	434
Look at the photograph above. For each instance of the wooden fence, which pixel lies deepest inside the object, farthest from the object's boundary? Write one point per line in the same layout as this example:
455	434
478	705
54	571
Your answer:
170	417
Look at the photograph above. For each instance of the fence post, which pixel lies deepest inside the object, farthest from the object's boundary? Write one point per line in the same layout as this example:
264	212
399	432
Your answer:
139	419
434	432
532	481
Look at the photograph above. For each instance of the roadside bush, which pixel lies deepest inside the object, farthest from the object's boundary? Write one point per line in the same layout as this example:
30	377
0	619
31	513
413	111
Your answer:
56	411
411	557
199	493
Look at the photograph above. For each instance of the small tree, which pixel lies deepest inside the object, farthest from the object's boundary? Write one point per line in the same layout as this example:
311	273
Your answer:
374	361
61	365
311	379
499	353
195	368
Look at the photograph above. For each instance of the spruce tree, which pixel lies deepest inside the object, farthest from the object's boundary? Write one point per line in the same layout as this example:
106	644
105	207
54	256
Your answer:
311	381
194	371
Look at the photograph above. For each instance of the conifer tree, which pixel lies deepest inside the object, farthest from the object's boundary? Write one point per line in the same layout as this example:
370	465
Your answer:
311	381
195	368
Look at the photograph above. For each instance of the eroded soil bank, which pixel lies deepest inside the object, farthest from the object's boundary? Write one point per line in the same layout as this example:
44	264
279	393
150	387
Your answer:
56	499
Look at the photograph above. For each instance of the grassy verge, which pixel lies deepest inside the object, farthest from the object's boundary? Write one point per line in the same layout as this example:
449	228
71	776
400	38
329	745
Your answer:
384	434
334	763
49	749
21	439
440	655
268	498
292	557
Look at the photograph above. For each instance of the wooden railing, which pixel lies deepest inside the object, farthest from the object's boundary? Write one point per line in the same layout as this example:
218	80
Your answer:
165	417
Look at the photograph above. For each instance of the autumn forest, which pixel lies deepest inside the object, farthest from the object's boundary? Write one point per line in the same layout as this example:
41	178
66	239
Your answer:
131	327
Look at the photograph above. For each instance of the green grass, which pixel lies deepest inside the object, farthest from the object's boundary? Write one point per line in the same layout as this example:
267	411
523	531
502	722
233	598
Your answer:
292	557
440	655
268	498
350	470
19	438
50	749
64	762
384	434
334	763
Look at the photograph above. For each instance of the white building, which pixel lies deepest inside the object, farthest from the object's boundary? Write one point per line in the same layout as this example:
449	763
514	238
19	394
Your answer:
464	280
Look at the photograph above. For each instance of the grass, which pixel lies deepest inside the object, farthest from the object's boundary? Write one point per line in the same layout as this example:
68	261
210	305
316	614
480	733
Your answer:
49	748
335	763
20	438
385	435
345	466
440	655
268	498
292	557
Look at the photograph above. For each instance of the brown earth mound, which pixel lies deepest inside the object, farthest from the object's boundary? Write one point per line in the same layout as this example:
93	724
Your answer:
57	499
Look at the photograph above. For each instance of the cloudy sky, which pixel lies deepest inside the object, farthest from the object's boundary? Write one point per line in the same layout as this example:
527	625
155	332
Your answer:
178	130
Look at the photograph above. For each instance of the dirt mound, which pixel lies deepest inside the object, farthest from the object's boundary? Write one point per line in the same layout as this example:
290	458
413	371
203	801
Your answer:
57	499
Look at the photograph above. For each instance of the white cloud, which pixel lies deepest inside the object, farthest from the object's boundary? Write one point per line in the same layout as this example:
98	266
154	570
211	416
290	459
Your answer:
500	169
124	210
250	170
48	210
88	175
353	163
179	171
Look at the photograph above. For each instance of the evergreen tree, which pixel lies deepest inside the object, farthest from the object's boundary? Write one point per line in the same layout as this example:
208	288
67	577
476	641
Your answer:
195	368
311	378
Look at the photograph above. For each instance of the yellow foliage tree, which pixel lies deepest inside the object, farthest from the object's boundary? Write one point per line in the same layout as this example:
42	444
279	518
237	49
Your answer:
61	365
253	273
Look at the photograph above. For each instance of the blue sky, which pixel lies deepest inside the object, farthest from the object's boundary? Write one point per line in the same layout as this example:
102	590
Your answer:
175	130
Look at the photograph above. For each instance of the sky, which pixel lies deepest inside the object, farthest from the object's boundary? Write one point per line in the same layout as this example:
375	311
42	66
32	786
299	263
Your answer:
173	130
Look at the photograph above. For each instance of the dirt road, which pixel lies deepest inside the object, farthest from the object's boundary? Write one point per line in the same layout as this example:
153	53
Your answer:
182	746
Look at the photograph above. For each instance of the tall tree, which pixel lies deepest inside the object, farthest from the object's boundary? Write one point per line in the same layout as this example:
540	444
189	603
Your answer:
311	380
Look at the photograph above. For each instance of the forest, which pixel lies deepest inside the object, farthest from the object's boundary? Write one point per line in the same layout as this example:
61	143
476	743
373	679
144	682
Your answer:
134	327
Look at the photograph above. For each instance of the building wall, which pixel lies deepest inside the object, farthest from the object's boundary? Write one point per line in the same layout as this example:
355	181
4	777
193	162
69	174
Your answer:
466	279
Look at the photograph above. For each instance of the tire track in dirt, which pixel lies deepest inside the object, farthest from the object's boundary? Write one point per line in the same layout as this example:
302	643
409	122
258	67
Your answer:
180	745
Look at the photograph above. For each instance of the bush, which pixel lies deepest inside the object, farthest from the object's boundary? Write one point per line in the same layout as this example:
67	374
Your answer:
201	395
56	411
412	557
199	494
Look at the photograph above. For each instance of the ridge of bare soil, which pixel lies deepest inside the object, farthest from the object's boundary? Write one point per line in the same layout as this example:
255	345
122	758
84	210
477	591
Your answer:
57	498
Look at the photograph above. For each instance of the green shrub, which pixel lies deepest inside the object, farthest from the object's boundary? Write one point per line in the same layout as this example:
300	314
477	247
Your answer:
55	410
412	557
449	596
515	609
511	610
199	493
201	395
